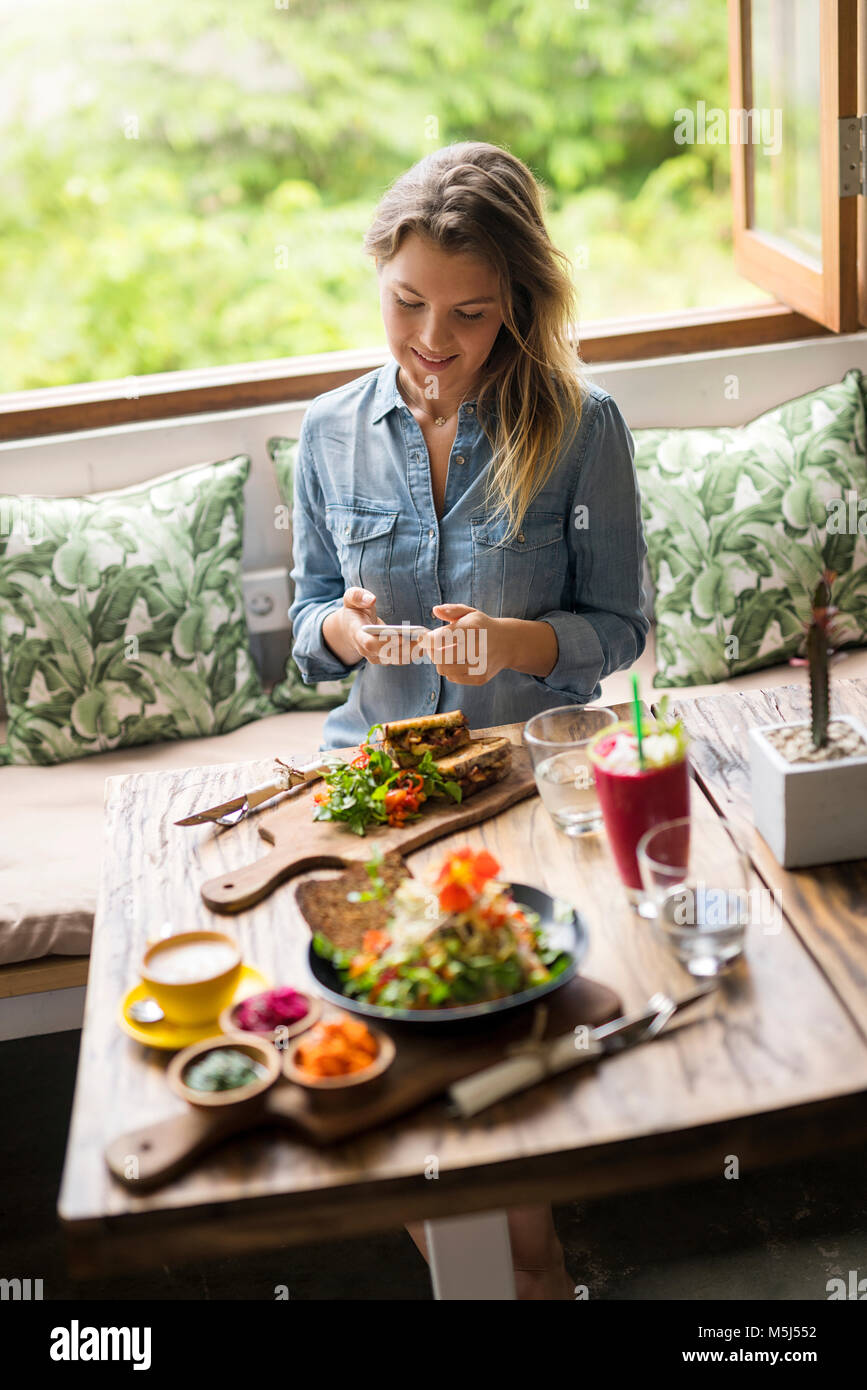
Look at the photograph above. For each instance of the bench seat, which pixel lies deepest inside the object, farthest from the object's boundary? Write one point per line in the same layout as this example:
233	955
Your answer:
52	841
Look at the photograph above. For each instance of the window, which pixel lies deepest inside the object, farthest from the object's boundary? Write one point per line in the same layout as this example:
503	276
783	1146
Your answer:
794	71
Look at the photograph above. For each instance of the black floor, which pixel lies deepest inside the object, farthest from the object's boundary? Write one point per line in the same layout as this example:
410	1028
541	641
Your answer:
777	1234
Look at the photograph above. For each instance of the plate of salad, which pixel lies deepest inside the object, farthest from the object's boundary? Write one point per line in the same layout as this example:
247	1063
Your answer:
460	944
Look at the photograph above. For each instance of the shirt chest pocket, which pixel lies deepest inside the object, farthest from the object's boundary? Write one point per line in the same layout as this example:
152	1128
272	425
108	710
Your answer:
521	577
363	538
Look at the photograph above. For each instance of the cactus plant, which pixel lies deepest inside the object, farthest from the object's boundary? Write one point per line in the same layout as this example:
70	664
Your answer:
808	779
819	635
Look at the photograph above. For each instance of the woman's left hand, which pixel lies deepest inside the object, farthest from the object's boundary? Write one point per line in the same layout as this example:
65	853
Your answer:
471	649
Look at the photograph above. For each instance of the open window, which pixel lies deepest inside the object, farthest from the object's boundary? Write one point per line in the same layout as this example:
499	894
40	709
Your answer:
797	163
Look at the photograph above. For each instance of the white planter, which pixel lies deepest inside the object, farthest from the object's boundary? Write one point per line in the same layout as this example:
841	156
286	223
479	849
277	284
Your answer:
809	813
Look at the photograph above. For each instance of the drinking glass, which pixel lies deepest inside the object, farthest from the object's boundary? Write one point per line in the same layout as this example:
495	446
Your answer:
557	740
698	882
633	799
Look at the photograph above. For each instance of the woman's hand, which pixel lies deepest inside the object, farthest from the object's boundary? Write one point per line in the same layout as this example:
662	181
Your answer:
472	648
358	612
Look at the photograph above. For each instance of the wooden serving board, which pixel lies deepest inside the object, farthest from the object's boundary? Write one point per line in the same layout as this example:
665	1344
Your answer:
301	843
425	1065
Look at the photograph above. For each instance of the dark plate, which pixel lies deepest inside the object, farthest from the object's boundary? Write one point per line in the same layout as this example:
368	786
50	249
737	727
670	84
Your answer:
569	933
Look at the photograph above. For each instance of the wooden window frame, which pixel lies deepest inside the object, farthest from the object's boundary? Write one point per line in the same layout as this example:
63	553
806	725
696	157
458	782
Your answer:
168	395
828	294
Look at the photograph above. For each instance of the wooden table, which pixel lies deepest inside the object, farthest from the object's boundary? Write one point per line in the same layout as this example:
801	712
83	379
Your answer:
777	1069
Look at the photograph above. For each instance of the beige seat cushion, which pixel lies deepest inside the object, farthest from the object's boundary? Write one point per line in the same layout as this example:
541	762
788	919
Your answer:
51	839
52	816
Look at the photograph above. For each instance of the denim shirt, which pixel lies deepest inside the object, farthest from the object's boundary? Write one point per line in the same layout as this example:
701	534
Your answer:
364	515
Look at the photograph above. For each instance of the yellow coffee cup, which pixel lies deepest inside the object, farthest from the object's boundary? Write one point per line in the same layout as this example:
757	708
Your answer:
192	975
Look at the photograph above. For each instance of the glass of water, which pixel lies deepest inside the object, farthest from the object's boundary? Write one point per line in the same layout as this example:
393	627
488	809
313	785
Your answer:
697	880
557	740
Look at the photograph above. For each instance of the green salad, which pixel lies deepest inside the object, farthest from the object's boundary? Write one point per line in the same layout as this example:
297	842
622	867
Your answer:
371	789
463	940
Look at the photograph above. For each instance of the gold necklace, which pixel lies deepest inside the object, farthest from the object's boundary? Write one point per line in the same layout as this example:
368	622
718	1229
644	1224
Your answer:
437	419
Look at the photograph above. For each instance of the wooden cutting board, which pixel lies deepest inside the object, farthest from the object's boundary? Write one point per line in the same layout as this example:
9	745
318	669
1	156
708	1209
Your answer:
301	843
426	1064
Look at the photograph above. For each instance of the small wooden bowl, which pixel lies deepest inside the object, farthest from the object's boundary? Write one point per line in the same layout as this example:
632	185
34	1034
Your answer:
258	1049
382	1061
277	1036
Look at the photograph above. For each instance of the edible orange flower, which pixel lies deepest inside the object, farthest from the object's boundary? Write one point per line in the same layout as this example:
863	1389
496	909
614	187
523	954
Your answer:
375	941
462	878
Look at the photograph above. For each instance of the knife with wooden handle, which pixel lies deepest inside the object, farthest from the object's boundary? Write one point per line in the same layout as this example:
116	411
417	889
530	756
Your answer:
533	1061
286	778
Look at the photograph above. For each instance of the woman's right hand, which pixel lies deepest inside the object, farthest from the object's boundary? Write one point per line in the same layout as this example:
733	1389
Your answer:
358	612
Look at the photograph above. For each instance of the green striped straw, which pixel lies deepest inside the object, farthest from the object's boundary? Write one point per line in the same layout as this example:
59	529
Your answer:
636	710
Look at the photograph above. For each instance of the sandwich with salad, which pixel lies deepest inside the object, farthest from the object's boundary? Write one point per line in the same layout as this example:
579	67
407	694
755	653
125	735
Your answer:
414	761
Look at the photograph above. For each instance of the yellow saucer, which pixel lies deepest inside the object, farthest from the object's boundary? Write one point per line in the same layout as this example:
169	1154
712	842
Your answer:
174	1035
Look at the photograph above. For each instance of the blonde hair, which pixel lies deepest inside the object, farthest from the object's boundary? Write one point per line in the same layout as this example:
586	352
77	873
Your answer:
478	199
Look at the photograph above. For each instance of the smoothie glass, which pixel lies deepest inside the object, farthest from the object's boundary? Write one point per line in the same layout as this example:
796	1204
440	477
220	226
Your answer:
634	799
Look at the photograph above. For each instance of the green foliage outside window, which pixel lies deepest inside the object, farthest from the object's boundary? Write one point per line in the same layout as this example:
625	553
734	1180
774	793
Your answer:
187	186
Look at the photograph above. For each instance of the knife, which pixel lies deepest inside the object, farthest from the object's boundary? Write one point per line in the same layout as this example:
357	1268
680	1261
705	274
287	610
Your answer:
286	778
532	1061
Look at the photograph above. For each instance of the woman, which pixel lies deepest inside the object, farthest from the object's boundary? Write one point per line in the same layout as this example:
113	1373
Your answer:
475	481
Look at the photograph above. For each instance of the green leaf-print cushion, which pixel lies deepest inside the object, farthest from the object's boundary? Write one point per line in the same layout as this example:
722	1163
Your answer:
291	692
282	452
739	525
121	616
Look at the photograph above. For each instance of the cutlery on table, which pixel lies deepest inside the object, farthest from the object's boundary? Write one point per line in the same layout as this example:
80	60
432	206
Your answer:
286	778
145	1011
534	1059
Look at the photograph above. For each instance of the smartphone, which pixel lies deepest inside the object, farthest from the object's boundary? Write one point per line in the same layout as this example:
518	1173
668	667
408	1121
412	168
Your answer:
396	630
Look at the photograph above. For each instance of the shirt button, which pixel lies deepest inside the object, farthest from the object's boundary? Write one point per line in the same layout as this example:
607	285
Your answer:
430	533
470	409
521	537
433	695
460	459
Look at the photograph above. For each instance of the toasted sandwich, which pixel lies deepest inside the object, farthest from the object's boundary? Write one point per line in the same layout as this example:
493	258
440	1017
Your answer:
481	763
407	740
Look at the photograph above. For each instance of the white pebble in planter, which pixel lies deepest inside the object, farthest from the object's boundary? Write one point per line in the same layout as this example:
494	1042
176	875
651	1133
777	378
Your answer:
809	812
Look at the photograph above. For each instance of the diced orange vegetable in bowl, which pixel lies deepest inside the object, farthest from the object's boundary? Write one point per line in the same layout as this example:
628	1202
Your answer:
336	1049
